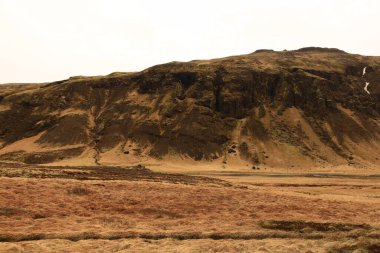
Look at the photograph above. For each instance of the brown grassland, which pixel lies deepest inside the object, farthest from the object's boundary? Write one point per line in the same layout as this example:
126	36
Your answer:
114	209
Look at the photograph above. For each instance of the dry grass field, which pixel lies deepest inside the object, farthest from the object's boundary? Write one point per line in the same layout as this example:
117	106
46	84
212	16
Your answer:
114	209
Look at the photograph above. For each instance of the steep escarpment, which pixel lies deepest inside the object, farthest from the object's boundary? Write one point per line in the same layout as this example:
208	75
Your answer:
289	108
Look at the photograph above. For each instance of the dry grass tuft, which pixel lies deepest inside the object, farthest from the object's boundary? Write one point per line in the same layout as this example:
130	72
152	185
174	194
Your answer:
39	216
78	190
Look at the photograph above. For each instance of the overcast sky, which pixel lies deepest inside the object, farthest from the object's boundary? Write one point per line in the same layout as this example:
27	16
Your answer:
47	40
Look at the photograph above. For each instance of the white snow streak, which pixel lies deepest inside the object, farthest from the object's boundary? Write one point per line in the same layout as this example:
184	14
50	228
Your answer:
366	83
366	87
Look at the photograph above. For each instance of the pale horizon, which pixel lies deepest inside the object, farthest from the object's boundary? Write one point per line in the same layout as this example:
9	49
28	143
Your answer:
46	41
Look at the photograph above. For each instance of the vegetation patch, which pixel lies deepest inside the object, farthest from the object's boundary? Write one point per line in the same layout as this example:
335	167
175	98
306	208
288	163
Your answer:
10	211
303	226
361	246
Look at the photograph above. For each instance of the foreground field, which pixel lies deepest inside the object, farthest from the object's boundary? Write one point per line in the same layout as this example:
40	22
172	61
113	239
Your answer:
111	209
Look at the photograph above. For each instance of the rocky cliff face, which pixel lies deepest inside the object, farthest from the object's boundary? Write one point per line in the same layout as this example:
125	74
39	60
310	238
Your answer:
290	108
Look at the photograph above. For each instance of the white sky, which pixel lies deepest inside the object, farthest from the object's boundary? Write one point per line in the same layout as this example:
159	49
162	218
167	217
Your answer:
48	40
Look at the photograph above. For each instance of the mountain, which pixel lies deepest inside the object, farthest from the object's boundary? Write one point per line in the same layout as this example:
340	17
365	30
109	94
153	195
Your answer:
299	108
